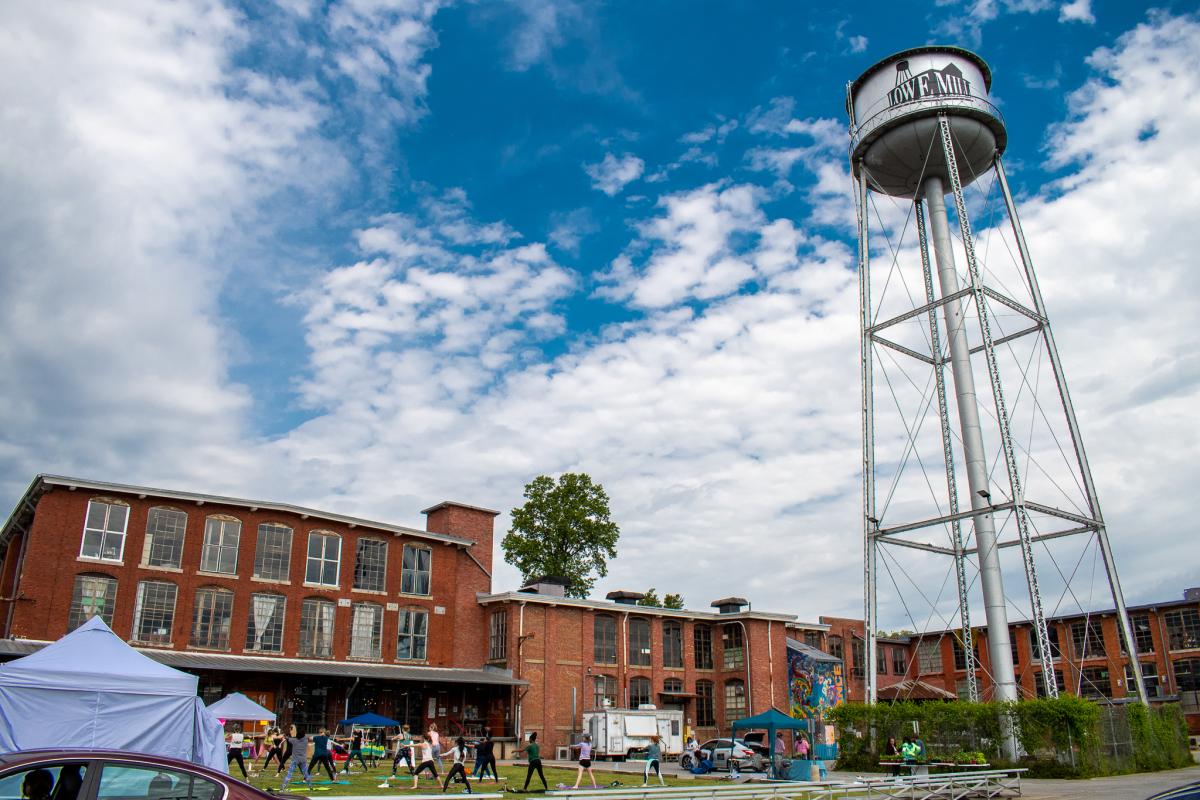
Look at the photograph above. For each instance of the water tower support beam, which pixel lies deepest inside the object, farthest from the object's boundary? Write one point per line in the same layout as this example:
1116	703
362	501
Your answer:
870	520
1085	471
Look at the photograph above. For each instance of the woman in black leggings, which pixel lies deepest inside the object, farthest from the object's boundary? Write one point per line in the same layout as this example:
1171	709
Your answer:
275	748
459	755
322	757
534	754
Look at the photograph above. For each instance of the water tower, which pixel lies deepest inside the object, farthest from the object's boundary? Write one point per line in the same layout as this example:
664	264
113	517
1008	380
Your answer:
923	129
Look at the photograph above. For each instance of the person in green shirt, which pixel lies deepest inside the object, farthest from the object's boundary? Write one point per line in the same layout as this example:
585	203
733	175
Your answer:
909	751
533	752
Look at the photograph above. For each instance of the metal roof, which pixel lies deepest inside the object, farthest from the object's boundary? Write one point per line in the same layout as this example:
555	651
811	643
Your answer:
810	651
299	666
37	487
603	605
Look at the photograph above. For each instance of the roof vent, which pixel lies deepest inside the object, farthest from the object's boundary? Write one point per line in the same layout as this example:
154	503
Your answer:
625	598
730	605
1192	594
551	585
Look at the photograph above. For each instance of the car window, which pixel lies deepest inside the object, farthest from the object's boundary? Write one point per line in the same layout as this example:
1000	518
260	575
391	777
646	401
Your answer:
128	782
50	781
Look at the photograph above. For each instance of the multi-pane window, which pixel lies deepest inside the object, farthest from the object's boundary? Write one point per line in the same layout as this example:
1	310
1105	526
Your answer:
1094	682
813	639
1087	639
706	711
154	612
1039	682
858	655
414	632
1051	642
165	529
639	692
604	636
414	570
639	642
835	647
735	699
498	636
316	628
94	596
211	617
899	661
264	625
222	535
962	688
733	651
929	657
880	660
370	564
1187	675
104	530
1014	636
366	626
604	692
324	558
1150	680
673	686
1183	629
672	643
1143	639
960	652
273	552
703	646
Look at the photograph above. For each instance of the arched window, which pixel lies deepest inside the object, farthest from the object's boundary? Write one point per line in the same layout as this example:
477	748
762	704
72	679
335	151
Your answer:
735	698
104	530
415	567
154	612
316	628
222	537
211	616
264	624
605	692
673	686
95	595
706	712
639	642
702	641
639	692
604	634
370	564
324	558
165	528
672	643
273	552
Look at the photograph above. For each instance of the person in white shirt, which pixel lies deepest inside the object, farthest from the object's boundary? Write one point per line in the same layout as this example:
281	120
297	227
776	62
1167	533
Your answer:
233	745
426	763
459	754
585	761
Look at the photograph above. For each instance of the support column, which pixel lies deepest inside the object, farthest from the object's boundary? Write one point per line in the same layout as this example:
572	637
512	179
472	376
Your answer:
991	582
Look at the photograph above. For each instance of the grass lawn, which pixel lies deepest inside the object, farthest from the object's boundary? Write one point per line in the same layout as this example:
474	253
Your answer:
511	775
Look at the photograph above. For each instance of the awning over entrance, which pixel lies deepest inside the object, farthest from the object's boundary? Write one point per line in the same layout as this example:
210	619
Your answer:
300	666
676	696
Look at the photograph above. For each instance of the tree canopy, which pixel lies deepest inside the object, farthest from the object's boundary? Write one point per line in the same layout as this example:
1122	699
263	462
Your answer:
667	601
563	529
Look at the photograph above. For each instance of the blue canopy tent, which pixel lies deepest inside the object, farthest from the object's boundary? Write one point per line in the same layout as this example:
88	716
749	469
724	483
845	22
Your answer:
91	689
771	720
370	720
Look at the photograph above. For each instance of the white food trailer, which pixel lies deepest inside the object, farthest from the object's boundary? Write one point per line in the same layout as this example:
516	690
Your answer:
617	732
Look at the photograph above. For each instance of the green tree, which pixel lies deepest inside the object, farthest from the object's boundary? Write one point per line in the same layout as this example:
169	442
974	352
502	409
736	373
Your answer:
564	529
668	601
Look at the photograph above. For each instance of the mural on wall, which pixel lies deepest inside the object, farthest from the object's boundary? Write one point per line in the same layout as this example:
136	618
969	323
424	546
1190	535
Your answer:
814	685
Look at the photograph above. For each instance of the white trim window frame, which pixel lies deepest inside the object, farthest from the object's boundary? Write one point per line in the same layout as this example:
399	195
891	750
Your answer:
104	531
166	531
222	540
324	559
416	570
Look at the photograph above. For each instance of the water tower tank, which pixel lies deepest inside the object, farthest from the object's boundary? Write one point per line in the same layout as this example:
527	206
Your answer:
893	109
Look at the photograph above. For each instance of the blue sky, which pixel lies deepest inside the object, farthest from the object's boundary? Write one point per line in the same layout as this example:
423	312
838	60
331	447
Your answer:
367	256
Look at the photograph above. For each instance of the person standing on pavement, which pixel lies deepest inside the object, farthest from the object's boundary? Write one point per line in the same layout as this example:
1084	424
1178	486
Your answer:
653	761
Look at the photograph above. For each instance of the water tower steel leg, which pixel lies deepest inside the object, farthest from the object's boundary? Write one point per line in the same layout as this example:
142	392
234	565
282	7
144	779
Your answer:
935	349
1080	456
870	522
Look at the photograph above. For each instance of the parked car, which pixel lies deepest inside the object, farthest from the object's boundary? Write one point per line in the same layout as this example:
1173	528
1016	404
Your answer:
743	756
115	775
757	741
1190	791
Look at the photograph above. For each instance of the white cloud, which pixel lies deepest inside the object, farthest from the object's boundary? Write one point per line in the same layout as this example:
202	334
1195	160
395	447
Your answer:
612	174
1077	11
858	44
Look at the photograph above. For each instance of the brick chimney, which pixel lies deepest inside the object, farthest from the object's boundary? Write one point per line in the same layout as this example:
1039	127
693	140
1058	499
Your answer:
467	522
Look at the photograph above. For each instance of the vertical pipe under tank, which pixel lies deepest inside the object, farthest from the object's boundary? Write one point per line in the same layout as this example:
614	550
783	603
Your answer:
991	582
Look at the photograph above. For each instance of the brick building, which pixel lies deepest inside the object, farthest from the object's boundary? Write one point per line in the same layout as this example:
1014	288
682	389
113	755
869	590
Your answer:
313	614
589	654
846	639
321	616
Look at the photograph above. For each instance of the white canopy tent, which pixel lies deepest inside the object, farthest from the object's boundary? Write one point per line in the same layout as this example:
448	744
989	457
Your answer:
91	689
